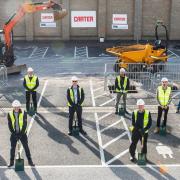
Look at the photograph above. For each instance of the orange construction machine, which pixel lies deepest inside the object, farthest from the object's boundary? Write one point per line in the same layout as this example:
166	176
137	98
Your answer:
6	35
139	53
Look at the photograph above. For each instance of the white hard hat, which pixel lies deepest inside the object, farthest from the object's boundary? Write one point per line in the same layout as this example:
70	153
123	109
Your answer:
164	79
140	102
30	69
122	70
16	103
74	78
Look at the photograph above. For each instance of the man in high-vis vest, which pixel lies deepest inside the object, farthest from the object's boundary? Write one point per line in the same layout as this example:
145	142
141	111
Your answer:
121	88
141	122
164	99
75	98
17	122
30	84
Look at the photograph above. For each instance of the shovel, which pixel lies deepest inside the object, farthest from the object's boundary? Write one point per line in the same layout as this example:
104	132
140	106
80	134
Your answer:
121	110
75	129
141	156
31	108
162	130
19	163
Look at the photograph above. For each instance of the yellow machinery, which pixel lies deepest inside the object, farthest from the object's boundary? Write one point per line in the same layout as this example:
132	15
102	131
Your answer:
148	54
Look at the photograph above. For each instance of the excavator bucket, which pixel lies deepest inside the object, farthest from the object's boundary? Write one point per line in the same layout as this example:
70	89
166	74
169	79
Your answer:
59	14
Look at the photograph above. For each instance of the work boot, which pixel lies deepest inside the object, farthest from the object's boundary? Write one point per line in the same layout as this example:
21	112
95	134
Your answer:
70	133
133	159
83	132
156	130
30	162
11	163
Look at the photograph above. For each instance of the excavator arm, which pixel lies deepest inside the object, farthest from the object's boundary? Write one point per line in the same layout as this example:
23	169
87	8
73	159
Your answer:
28	8
59	13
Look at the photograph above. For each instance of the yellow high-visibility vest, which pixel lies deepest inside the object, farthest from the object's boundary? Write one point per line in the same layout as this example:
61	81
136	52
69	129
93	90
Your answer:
124	85
146	119
164	96
21	122
31	84
72	95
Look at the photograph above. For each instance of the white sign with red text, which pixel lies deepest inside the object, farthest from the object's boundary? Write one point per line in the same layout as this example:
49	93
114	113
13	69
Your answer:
83	19
47	17
119	19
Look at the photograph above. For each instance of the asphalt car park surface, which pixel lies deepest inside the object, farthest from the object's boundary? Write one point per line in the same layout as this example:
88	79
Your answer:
103	154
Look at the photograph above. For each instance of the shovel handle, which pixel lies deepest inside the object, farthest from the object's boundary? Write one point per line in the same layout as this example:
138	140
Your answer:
30	98
142	141
18	143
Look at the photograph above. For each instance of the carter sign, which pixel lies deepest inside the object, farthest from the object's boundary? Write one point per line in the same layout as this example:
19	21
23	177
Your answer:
119	19
47	17
83	18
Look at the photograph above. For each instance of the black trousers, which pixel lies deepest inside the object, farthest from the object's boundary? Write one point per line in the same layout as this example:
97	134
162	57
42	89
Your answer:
24	142
136	136
72	110
160	110
34	99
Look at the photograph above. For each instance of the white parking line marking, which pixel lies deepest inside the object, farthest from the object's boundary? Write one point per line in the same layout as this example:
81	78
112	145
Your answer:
100	95
118	156
107	102
117	122
34	50
45	52
114	140
104	116
96	166
97	127
98	89
32	119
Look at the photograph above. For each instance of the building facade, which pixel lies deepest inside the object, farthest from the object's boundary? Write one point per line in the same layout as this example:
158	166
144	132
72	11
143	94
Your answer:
110	19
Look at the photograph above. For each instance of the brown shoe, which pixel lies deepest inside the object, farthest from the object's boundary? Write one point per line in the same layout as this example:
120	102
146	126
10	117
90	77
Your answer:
156	130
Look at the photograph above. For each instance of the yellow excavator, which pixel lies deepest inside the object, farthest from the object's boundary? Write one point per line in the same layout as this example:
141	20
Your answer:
139	53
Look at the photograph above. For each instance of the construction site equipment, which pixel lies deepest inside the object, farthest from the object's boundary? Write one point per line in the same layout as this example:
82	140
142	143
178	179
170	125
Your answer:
31	111
19	163
141	156
7	56
121	110
140	53
75	129
3	76
162	131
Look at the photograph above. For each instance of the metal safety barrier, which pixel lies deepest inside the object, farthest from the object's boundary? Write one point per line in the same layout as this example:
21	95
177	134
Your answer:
145	77
3	83
3	76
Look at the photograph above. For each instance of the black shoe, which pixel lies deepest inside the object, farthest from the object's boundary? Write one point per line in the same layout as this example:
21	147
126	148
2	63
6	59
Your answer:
83	132
11	163
133	159
70	133
116	112
30	162
177	111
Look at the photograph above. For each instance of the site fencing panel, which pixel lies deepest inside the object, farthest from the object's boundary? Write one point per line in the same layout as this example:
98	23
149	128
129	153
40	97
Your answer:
3	76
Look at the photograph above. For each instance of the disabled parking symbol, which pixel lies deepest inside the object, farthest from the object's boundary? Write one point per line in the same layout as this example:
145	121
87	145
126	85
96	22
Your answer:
165	151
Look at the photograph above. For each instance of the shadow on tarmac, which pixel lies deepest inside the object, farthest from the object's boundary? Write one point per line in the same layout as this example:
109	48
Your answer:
55	134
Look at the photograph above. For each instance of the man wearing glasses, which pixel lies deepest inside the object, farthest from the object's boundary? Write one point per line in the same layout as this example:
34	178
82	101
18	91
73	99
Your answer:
75	98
